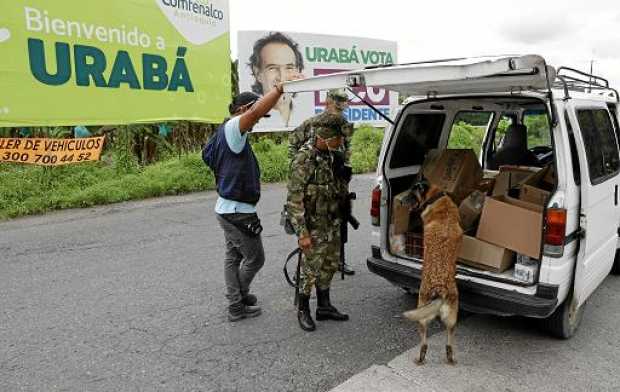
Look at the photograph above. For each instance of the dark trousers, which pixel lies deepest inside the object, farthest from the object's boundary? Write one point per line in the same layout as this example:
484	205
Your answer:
245	256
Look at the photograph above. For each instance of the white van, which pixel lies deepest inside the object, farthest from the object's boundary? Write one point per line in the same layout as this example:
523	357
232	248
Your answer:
579	112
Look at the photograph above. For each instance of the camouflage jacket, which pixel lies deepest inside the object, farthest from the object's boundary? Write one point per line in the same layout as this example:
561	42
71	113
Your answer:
314	193
298	137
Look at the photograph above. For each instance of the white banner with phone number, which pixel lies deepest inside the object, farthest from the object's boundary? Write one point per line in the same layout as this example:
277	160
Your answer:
50	152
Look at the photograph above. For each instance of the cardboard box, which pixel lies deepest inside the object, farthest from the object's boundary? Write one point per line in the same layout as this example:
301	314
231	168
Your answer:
549	177
543	179
401	209
511	177
429	161
456	172
480	254
470	210
534	195
512	224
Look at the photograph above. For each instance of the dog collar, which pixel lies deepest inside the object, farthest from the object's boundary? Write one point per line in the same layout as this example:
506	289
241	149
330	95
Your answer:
432	200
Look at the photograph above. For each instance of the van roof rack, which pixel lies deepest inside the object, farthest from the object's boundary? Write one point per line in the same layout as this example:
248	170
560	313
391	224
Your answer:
571	79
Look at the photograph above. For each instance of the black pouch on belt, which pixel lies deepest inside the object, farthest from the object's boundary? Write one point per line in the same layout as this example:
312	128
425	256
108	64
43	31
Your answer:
247	223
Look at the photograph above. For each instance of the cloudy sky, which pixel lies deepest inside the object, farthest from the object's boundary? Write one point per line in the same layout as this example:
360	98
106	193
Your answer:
567	32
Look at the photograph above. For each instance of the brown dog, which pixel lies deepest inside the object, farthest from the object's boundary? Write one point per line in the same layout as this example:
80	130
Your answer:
442	239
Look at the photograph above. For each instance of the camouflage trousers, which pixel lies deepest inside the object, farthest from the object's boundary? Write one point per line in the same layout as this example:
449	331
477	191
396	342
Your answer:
320	263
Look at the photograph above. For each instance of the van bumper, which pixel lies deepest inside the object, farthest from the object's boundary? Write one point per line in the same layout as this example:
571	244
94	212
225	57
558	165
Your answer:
474	297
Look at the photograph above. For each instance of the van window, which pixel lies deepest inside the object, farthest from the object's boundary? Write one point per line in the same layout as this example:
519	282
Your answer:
600	143
538	130
468	129
612	111
573	150
419	133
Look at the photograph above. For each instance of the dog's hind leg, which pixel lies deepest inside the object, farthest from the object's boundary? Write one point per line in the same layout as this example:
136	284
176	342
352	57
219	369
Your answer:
422	329
449	319
450	346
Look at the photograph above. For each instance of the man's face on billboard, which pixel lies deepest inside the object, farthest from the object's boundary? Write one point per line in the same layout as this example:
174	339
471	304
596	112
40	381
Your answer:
278	64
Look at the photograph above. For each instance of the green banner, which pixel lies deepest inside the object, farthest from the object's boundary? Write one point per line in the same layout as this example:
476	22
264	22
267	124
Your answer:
113	61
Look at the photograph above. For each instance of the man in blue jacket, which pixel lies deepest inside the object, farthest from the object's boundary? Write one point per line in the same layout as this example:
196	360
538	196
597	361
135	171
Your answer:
238	185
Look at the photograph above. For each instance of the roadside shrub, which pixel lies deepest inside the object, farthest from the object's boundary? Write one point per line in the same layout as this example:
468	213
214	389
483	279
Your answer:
365	149
468	136
26	190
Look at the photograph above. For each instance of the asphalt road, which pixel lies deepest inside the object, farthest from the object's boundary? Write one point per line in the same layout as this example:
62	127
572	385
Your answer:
497	354
130	297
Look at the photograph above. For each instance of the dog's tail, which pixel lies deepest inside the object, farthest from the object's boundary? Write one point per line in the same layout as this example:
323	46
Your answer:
429	310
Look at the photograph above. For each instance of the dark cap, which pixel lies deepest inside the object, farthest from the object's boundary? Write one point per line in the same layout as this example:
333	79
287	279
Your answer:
241	100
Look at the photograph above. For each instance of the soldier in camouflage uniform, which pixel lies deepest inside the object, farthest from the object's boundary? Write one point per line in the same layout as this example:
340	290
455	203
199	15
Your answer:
332	117
315	196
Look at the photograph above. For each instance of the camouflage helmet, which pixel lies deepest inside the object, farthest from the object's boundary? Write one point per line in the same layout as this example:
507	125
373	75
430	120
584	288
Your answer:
326	132
338	95
327	125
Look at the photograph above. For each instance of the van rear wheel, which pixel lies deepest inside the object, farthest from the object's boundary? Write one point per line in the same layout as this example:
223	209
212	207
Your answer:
615	270
563	323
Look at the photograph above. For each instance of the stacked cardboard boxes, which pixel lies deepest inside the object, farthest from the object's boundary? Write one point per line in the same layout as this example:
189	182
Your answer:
512	217
501	214
456	172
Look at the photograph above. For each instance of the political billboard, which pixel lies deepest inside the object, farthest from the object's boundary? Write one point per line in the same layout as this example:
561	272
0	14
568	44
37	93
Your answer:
113	61
267	57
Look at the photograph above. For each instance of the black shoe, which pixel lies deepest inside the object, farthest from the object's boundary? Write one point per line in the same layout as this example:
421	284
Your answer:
325	310
303	314
240	311
249	300
347	270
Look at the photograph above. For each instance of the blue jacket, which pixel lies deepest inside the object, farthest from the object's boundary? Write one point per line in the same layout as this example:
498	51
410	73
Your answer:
237	176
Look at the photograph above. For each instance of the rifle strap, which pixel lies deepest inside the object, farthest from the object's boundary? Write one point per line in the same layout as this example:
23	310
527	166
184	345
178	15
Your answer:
291	282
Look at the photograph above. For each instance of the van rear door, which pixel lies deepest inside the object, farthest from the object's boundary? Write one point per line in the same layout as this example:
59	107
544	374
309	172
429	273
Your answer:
444	77
599	216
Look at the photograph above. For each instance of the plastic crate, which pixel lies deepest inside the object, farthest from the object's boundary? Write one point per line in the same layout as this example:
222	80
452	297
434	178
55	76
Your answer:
414	244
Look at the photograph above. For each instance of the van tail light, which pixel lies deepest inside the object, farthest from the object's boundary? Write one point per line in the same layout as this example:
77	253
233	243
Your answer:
375	206
555	231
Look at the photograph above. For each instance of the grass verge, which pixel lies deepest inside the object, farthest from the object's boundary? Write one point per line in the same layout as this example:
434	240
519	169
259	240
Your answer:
27	190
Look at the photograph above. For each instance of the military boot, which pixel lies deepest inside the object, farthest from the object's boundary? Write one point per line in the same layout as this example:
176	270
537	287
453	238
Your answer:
303	313
325	310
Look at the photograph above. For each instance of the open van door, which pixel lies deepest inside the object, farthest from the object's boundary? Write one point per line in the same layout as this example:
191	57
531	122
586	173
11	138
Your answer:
599	216
442	77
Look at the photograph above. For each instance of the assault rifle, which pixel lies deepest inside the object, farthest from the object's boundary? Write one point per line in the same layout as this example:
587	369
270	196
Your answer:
347	219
